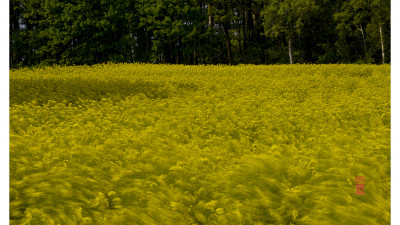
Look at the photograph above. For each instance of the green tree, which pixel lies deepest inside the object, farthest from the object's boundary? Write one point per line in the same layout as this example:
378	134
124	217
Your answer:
363	23
223	11
46	32
380	24
352	19
16	42
287	18
175	26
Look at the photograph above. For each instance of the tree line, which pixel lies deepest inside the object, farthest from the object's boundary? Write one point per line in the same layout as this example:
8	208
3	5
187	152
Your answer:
77	32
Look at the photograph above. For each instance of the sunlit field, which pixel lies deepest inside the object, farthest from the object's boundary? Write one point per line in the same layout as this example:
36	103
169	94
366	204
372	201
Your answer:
172	144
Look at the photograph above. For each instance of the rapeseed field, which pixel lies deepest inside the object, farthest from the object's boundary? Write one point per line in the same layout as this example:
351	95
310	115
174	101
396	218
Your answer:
172	144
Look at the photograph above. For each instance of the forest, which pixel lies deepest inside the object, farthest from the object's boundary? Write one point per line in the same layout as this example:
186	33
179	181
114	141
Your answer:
87	32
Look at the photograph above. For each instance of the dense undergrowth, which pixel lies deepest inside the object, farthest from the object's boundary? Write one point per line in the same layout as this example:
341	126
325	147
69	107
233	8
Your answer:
164	144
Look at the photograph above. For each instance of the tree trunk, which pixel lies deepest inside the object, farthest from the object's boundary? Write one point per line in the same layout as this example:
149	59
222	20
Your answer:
194	55
301	47
240	45
228	45
363	37
170	53
244	34
249	26
11	53
382	43
249	22
209	15
179	54
246	25
290	51
132	46
148	41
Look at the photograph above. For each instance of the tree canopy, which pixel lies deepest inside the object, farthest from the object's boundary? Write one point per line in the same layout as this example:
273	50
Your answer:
77	32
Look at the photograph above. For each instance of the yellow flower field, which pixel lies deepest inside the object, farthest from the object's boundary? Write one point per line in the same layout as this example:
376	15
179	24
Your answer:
172	144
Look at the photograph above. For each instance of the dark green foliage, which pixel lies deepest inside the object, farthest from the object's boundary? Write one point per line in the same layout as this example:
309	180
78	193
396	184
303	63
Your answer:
198	31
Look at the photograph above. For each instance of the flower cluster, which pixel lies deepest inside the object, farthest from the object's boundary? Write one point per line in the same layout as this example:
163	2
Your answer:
172	144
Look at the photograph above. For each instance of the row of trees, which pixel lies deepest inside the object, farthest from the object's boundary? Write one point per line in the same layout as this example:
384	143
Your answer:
45	32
